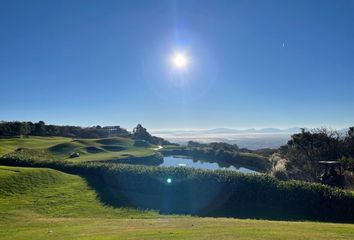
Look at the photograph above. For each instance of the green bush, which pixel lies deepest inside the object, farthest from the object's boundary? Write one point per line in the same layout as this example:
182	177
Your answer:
141	143
280	175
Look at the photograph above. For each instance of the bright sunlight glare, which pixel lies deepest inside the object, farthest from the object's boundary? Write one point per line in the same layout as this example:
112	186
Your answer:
179	60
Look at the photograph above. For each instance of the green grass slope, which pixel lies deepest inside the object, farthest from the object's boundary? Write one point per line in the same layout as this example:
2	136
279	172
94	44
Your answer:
10	144
59	149
32	191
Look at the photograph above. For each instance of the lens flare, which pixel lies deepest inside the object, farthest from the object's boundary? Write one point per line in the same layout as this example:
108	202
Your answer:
168	180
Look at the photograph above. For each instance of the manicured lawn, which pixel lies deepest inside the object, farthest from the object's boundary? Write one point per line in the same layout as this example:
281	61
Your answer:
59	148
10	144
37	227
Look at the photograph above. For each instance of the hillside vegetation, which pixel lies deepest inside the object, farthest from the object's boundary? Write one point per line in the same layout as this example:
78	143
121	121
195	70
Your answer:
48	204
207	193
18	128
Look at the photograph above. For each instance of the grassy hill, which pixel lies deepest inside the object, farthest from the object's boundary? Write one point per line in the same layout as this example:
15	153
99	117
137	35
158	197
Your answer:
28	192
48	204
10	144
60	148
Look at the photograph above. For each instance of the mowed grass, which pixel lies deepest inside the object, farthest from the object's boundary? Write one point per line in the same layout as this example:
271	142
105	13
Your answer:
39	191
10	144
172	228
48	204
59	148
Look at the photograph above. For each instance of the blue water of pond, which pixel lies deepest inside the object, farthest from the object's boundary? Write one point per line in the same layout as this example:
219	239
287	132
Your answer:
172	161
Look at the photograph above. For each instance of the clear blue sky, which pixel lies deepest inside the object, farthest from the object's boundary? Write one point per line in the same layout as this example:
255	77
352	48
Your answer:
251	63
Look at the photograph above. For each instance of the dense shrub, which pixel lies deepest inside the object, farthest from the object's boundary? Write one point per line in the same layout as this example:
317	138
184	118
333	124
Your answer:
305	149
208	193
151	160
140	133
141	143
280	174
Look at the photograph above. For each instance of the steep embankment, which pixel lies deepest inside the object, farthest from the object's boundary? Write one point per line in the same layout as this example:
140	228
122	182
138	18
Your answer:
32	191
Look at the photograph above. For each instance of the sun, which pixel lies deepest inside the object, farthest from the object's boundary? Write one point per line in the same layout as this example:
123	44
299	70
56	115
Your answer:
180	60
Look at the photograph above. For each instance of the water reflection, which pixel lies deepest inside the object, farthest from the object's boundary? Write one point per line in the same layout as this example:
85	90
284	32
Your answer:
174	161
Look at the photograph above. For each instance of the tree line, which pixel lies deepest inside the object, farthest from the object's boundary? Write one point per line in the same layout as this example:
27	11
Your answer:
17	128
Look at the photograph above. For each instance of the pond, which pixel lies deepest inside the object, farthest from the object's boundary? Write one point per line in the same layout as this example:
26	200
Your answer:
174	161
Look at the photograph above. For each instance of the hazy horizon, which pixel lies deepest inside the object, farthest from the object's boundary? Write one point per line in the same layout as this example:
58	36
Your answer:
132	125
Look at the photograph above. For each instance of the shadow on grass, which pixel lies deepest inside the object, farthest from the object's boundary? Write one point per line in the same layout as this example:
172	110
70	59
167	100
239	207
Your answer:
215	203
207	193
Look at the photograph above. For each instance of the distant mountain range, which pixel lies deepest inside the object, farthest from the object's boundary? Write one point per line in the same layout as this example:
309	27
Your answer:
248	138
229	131
253	130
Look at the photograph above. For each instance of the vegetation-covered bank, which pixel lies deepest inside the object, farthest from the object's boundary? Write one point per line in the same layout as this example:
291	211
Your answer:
151	160
208	193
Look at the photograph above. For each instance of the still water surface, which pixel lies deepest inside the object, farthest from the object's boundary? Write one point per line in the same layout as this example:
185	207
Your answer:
172	161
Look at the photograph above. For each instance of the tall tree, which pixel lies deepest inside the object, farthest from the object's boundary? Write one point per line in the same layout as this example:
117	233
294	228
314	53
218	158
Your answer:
39	129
